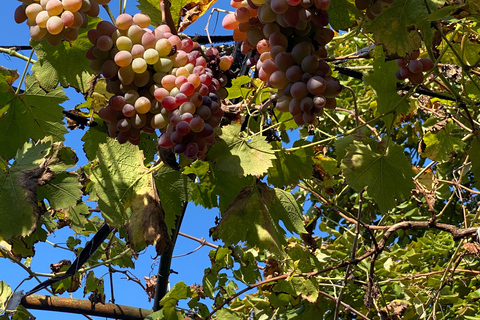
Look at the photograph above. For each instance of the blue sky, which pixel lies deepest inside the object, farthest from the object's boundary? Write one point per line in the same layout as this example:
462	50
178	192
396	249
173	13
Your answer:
196	222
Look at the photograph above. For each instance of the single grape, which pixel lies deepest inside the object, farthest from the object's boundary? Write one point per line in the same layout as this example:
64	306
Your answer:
142	20
124	21
72	5
427	64
128	110
415	66
123	58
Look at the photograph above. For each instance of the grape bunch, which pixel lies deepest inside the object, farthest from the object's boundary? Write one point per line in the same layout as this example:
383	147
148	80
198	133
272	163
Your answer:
159	81
373	7
289	38
57	20
412	68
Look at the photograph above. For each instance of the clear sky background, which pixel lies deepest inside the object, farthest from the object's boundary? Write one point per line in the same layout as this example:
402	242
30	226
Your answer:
196	222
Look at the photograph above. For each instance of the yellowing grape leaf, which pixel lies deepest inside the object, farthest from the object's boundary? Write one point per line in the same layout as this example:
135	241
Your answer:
241	156
475	158
33	114
384	83
185	12
126	194
397	27
286	169
65	63
387	176
442	143
35	165
254	217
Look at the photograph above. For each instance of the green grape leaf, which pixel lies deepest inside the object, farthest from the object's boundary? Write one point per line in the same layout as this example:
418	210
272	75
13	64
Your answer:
226	314
236	90
474	153
441	144
384	83
93	138
286	169
254	217
62	192
342	14
126	194
118	176
77	217
65	63
95	285
152	9
396	28
174	190
215	188
241	156
33	114
34	166
22	314
387	176
179	291
7	78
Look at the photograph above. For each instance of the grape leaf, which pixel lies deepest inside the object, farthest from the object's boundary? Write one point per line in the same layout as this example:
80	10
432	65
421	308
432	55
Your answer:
214	184
93	138
189	11
62	192
126	194
475	158
286	169
65	63
387	176
441	144
33	114
254	217
173	189
342	14
239	156
397	27
5	292
18	187
384	83
117	176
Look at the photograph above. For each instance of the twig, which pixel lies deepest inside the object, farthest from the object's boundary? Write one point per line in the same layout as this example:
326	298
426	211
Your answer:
167	15
13	52
200	240
352	256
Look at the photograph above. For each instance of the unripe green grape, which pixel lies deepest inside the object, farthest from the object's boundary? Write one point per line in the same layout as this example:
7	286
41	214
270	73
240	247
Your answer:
124	43
159	121
139	65
126	74
163	65
163	47
151	56
135	33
